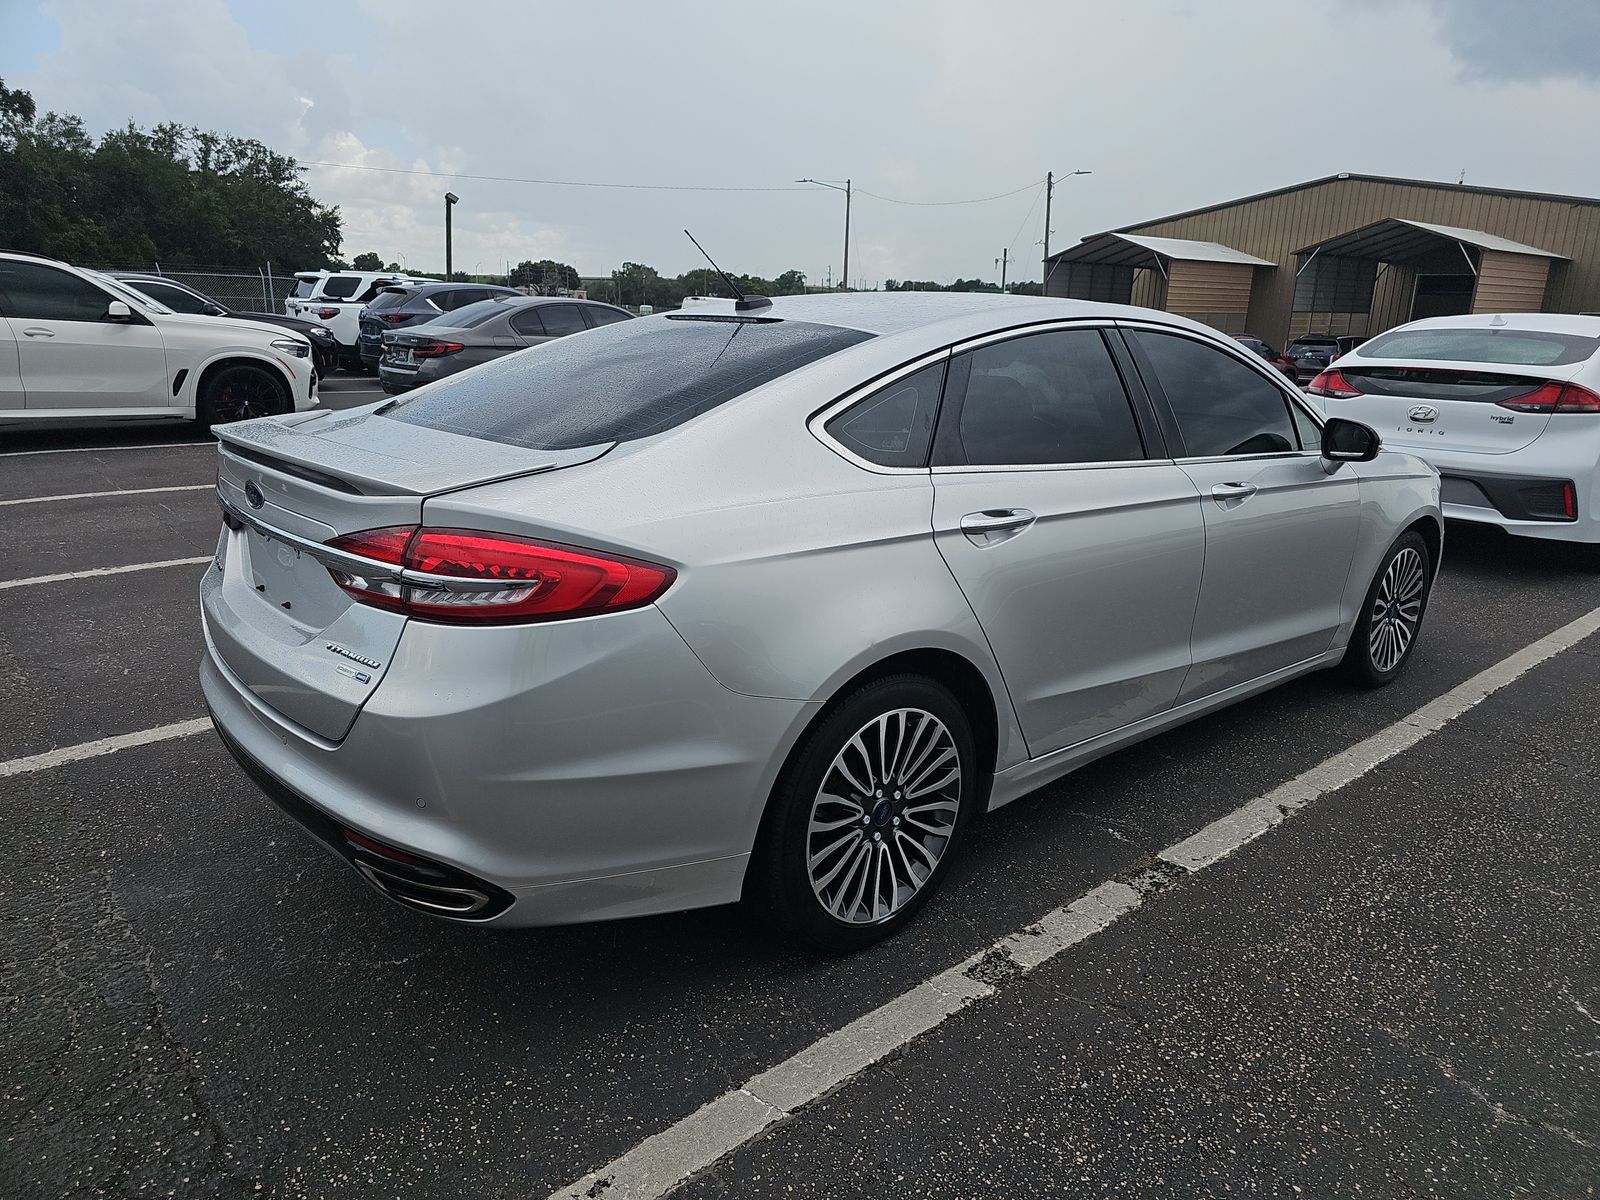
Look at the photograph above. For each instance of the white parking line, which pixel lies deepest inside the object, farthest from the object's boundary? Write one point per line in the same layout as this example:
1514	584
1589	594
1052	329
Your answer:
186	487
103	449
110	745
97	571
661	1162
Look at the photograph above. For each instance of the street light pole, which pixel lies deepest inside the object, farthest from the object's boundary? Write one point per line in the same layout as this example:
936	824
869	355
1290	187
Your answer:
844	275
450	201
1049	191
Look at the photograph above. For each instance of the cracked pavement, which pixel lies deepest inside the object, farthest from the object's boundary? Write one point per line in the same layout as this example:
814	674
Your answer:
1393	994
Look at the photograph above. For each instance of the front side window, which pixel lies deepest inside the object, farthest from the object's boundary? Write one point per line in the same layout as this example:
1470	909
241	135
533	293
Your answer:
1221	406
626	381
893	427
37	292
1047	398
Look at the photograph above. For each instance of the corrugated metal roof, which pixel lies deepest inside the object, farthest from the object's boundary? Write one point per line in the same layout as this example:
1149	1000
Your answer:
1141	250
1396	239
1432	184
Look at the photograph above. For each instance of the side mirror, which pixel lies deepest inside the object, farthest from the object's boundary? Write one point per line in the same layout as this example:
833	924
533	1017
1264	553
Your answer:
117	310
216	310
1349	441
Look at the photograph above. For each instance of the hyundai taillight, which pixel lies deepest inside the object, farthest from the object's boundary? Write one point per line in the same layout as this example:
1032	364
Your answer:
1555	397
436	349
1332	383
467	577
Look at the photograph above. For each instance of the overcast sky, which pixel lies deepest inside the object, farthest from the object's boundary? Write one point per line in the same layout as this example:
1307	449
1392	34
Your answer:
1170	104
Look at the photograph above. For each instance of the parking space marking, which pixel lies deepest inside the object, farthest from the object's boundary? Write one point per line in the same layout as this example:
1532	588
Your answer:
103	449
93	572
699	1141
184	487
110	745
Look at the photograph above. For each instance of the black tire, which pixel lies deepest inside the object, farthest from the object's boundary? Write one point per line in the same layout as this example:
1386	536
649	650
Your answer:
1393	608
782	871
242	392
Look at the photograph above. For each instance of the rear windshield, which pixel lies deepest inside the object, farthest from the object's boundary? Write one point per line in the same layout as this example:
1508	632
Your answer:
303	288
390	299
470	316
622	382
1513	347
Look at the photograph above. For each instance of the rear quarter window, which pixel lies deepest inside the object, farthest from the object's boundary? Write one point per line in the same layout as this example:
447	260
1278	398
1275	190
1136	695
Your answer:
1504	346
619	383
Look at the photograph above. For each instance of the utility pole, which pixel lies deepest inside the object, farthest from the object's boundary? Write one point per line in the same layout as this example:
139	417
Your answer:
844	275
1049	191
450	201
1001	262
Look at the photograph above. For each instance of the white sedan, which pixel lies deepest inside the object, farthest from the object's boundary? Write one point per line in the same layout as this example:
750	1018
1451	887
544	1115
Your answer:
1505	406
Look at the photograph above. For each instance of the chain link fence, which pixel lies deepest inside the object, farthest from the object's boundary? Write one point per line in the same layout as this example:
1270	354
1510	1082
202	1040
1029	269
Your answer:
262	290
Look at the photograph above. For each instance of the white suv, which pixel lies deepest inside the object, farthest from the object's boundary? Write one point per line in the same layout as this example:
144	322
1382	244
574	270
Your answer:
336	298
76	345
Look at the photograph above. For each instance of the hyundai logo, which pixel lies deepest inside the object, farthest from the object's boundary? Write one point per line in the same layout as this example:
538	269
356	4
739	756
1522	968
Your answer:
252	492
1423	413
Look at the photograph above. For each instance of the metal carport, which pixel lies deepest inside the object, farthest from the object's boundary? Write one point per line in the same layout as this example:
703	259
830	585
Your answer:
1207	281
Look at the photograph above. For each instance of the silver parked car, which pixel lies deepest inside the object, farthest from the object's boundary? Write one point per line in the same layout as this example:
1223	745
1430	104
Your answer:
773	601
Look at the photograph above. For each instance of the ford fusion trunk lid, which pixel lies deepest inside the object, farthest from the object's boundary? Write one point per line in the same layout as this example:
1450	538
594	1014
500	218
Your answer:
273	612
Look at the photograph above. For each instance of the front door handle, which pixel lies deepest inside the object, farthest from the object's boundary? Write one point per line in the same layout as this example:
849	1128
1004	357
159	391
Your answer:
39	333
995	524
1235	493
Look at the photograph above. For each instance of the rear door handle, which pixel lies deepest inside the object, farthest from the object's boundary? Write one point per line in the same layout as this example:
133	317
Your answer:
39	333
995	524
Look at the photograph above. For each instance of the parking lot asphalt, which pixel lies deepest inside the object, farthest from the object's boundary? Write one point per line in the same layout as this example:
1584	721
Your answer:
1396	993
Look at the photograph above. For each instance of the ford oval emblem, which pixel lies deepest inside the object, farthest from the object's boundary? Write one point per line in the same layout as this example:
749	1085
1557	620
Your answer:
1423	413
252	493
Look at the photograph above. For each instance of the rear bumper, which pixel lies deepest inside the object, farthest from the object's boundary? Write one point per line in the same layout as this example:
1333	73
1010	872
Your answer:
1521	492
585	769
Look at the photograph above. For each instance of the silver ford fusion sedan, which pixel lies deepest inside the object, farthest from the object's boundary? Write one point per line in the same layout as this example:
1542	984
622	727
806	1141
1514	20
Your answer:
771	601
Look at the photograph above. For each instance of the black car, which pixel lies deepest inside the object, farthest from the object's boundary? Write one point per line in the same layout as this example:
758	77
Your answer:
184	299
1311	353
401	306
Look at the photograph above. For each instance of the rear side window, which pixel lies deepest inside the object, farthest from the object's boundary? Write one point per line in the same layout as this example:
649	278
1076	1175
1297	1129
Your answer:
1221	406
561	319
893	427
626	381
1048	398
1508	347
601	315
527	323
32	290
340	287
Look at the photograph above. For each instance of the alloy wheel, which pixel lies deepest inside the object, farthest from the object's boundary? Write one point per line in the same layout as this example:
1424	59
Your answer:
1396	610
241	395
884	816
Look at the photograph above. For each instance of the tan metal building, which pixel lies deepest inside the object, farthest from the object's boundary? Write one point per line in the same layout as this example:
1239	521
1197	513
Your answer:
1349	254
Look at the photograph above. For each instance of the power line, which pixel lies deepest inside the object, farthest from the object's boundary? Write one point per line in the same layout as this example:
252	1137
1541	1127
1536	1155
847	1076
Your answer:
946	203
1012	244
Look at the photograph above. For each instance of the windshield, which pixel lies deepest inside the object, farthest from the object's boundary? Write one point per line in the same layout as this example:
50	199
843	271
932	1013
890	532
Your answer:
621	382
1513	347
128	294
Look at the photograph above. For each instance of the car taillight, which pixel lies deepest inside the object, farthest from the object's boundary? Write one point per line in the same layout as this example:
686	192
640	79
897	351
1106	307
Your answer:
393	318
1555	397
436	349
1332	383
467	577
327	314
1569	499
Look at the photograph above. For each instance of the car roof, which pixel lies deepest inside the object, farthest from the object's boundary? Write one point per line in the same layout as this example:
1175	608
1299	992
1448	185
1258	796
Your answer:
1543	322
899	312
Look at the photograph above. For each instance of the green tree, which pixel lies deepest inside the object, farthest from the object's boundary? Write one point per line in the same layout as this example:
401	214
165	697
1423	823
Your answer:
366	262
172	194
